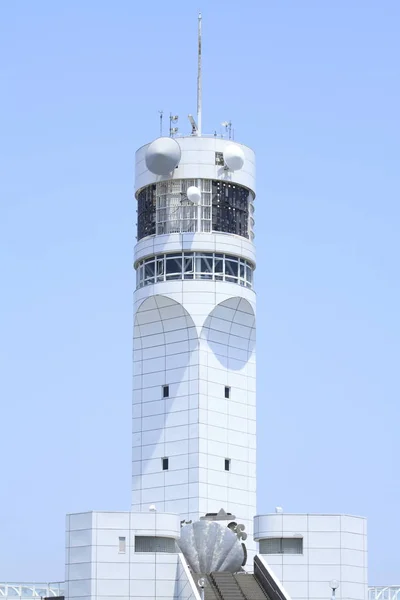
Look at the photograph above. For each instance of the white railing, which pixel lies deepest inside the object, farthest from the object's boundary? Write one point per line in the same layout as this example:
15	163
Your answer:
31	590
384	592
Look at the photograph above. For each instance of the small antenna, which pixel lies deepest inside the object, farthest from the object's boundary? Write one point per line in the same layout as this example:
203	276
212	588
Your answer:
228	128
161	112
199	85
173	119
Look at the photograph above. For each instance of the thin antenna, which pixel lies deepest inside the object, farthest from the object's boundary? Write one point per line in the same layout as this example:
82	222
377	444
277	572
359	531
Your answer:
199	86
173	119
161	122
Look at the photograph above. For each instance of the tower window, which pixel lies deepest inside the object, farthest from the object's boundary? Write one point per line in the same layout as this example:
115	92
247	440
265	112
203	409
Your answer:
227	392
219	159
165	464
227	464
122	545
165	391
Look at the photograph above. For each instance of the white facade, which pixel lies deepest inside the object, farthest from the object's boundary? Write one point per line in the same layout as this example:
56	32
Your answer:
317	550
196	336
104	562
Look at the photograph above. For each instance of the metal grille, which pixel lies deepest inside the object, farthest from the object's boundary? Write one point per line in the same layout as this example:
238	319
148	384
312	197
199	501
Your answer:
146	221
281	546
230	208
174	213
164	208
154	544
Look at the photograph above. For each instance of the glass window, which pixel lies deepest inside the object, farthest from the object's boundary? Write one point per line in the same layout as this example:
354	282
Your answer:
204	266
149	270
281	546
160	269
154	544
249	274
195	265
188	267
173	267
231	269
219	265
219	159
206	263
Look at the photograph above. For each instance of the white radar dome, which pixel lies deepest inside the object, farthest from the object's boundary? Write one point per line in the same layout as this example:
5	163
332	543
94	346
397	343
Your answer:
193	194
163	155
234	157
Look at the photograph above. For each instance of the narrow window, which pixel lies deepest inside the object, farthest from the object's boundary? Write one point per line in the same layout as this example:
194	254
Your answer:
227	464
281	546
165	391
122	545
227	392
165	464
219	159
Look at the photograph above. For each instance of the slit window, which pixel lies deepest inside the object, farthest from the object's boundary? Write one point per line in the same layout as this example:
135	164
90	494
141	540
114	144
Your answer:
165	464
227	392
227	464
155	544
165	391
122	545
281	546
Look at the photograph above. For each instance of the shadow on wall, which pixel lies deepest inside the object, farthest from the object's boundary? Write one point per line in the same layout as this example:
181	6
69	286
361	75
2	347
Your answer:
165	353
230	333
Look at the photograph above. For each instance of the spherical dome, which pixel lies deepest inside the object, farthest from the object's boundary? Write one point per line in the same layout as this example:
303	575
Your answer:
234	157
163	155
193	194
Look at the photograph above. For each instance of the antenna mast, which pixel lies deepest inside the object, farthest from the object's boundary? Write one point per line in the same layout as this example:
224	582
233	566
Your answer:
199	86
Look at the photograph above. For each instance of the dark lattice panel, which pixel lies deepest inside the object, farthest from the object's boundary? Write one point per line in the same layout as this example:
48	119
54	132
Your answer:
230	208
146	219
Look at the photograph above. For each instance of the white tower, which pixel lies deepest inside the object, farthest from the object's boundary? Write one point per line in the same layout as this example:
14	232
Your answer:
194	413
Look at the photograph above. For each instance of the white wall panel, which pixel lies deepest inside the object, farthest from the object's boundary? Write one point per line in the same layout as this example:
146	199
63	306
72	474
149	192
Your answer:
331	550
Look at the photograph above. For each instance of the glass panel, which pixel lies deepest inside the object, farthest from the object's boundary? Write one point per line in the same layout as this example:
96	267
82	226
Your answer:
149	270
292	545
195	265
270	546
219	265
206	264
173	268
231	268
188	264
160	269
154	544
249	274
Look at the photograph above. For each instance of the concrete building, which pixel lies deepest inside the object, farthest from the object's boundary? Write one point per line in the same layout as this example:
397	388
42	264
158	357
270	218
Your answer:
307	552
193	505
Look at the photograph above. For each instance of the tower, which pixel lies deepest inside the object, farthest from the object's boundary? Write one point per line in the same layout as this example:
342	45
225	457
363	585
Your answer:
194	421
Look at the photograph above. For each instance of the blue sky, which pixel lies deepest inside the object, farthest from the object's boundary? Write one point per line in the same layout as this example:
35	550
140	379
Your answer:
313	87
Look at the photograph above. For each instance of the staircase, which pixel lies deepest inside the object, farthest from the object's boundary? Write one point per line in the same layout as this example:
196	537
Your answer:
250	587
263	585
227	586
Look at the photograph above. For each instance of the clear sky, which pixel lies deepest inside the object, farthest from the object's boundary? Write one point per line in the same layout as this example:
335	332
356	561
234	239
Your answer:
313	87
